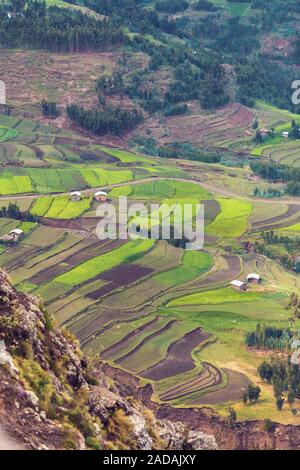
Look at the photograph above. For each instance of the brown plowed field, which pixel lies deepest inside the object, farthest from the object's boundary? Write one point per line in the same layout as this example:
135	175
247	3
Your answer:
237	384
234	268
209	377
178	359
120	276
92	250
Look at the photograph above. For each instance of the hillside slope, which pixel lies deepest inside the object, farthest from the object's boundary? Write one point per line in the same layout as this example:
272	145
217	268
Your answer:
51	397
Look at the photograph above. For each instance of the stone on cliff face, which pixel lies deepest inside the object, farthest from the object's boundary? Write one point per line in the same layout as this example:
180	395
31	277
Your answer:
32	398
200	441
6	359
177	437
139	432
103	403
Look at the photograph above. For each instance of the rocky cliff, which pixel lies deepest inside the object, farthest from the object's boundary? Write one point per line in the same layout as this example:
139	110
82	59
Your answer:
243	435
51	397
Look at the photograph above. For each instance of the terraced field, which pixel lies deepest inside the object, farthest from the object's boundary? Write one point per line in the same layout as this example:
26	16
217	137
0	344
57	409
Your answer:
165	314
229	124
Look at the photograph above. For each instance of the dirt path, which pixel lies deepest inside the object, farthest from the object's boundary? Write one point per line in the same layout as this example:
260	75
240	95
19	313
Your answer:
8	443
204	184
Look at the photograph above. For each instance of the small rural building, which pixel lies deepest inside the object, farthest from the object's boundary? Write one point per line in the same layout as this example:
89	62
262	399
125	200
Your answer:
101	196
12	236
239	285
75	196
15	234
264	132
285	134
297	264
253	278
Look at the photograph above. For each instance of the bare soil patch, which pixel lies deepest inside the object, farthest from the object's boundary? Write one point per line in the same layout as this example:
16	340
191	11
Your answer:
120	276
234	267
90	251
178	359
237	384
209	377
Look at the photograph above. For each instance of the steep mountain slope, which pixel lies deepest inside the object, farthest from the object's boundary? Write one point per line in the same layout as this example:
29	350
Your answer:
51	397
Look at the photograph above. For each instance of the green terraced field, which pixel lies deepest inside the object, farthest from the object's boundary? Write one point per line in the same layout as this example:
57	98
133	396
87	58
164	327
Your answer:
219	296
232	221
162	191
106	292
193	265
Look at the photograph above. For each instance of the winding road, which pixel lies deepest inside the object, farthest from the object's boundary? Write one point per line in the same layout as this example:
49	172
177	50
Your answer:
207	184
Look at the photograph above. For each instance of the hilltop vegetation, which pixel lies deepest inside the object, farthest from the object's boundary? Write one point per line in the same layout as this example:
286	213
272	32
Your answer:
182	83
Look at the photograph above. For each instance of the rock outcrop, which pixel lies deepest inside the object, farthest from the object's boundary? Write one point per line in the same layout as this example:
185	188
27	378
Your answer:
241	435
51	397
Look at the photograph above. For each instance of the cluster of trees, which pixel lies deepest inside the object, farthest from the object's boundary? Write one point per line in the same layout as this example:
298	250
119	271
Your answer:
294	305
295	130
187	151
192	82
268	337
110	84
273	171
12	211
289	245
171	6
129	13
49	109
252	394
204	5
237	38
176	109
109	120
194	78
56	29
285	378
269	193
260	78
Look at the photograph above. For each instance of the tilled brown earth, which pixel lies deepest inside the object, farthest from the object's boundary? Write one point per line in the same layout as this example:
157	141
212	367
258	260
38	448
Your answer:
70	141
178	359
93	249
211	210
209	377
237	384
122	275
20	260
96	155
37	150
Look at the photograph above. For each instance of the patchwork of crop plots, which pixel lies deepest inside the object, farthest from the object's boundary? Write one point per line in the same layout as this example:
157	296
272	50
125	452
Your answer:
208	129
43	159
162	313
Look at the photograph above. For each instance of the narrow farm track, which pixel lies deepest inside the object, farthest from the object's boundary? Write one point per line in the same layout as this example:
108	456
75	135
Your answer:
277	221
206	184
